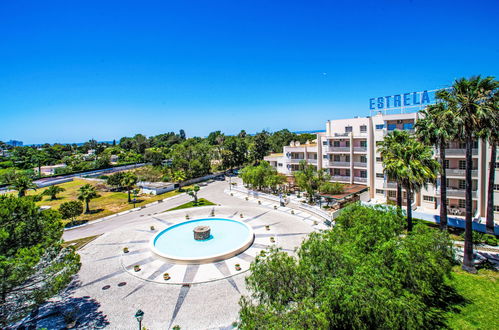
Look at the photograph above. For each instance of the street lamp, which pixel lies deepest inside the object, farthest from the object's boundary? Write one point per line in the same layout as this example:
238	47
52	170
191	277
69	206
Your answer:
139	316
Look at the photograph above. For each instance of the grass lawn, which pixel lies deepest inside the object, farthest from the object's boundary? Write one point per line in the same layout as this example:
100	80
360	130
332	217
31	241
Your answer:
108	203
79	243
201	202
482	294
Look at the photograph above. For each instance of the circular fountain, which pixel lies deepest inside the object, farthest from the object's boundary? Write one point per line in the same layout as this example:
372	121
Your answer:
202	240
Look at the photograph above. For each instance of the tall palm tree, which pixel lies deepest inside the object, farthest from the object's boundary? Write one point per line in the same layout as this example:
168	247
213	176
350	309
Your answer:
22	183
128	181
436	128
491	132
86	193
389	148
415	167
469	99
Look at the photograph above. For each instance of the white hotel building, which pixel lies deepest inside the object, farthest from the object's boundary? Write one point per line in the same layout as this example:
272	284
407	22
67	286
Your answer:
348	151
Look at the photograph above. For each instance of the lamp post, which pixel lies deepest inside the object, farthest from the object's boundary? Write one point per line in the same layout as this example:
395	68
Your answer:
139	315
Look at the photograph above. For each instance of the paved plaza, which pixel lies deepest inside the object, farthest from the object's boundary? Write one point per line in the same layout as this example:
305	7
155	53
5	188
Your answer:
196	296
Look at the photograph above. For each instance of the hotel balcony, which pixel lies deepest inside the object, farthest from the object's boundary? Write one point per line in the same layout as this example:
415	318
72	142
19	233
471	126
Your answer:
295	160
360	164
341	178
339	164
457	152
456	192
341	134
359	179
339	149
312	161
359	149
459	173
390	185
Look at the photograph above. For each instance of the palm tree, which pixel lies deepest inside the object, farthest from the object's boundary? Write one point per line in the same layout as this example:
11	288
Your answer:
86	193
128	181
194	193
469	99
389	148
491	132
436	128
22	183
52	191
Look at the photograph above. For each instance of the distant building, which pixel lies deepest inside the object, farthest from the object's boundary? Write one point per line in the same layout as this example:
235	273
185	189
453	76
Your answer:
14	143
155	188
49	170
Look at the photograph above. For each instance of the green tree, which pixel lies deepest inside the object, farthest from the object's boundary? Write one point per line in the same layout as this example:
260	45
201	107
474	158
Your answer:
154	156
129	180
71	210
52	191
331	188
309	179
22	183
116	180
389	148
194	193
470	100
436	128
362	274
491	132
86	193
415	167
260	146
33	264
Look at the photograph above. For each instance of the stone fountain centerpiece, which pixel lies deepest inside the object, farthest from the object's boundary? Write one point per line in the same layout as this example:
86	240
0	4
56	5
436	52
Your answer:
202	233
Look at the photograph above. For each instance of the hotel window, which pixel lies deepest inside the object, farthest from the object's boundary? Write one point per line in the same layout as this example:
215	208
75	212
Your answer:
462	203
428	198
462	184
446	163
497	165
324	143
496	187
363	159
392	193
496	208
347	143
363	128
347	158
363	174
363	144
324	156
380	191
408	126
336	143
380	175
336	171
380	126
348	129
391	127
462	164
336	158
347	172
379	159
279	164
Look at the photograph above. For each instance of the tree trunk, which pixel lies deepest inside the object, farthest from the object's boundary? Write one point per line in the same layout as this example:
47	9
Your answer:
399	198
87	207
468	264
490	189
409	209
443	189
129	199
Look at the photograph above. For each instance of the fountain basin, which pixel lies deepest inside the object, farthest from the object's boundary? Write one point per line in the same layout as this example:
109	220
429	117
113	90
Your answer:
227	238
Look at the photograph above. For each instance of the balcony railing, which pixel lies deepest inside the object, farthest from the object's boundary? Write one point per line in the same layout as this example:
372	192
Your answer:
296	160
460	173
456	192
342	178
343	164
341	134
359	164
312	161
339	149
359	149
390	185
359	179
457	152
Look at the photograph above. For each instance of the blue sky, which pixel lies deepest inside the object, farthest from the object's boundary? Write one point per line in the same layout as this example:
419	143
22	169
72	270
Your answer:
74	70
